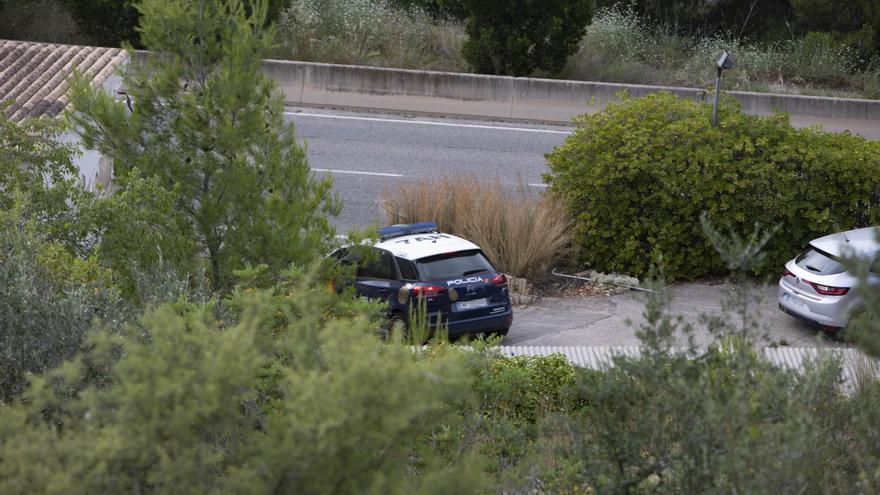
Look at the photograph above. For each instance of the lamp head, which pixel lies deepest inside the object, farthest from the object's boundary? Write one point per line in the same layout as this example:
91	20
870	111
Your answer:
725	61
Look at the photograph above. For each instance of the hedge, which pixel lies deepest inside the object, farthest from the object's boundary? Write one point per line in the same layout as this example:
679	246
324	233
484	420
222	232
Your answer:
637	175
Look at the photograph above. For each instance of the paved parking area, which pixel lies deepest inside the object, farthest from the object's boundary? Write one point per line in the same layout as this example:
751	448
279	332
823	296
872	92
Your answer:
613	320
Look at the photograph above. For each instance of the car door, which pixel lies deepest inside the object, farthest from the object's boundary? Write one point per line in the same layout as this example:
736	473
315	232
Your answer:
376	278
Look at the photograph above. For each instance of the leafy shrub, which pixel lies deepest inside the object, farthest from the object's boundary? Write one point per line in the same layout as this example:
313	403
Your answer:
722	423
369	32
622	46
636	175
525	388
39	20
279	399
48	300
515	399
518	37
522	232
741	17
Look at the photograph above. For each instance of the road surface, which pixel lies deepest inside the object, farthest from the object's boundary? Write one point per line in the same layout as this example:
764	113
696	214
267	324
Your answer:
369	153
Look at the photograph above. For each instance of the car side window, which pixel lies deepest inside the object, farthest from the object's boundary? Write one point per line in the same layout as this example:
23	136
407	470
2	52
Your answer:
407	269
382	267
339	254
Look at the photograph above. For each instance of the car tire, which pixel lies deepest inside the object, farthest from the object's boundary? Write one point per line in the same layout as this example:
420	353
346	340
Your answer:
497	333
392	322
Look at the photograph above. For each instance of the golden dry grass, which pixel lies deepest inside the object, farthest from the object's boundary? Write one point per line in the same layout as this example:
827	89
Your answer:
521	231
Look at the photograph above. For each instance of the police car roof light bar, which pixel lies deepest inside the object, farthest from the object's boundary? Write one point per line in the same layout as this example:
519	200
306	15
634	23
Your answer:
403	229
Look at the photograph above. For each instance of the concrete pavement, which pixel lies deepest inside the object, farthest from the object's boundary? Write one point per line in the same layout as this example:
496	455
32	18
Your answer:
613	320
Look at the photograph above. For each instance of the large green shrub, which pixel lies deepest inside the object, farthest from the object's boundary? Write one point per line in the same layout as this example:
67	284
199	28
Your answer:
638	174
275	398
48	299
521	36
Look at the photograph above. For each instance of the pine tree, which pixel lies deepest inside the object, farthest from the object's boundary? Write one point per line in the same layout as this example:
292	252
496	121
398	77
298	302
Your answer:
210	126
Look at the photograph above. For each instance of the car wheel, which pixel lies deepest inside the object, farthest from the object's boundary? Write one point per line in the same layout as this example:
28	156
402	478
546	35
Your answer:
396	320
497	333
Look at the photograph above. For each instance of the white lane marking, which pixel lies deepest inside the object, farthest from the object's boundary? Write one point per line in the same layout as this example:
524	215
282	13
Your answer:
389	174
357	172
427	122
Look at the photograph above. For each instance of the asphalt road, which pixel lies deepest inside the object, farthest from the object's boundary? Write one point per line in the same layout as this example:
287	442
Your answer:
370	153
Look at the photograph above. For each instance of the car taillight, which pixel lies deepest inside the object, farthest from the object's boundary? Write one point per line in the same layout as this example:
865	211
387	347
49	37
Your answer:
499	279
426	290
827	290
786	273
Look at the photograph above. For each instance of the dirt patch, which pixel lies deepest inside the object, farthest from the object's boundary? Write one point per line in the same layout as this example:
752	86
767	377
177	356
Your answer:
558	287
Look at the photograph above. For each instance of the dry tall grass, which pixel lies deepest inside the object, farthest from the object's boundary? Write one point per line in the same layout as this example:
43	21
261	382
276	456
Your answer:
521	231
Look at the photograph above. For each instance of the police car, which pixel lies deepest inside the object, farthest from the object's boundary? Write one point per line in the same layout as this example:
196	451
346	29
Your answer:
455	278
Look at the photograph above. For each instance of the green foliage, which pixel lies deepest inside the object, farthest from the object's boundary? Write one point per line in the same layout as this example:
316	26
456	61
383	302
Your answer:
724	422
48	299
524	389
138	229
763	19
185	409
853	24
33	162
39	20
107	22
209	128
369	32
115	22
516	398
638	174
439	9
519	37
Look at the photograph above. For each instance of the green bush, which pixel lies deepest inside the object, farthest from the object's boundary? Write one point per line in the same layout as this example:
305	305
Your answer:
48	300
638	174
519	37
370	32
524	388
278	398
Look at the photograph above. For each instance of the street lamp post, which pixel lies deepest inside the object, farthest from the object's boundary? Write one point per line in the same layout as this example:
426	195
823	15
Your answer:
725	61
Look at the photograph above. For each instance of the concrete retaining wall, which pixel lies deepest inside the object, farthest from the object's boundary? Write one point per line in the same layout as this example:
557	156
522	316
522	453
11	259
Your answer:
521	98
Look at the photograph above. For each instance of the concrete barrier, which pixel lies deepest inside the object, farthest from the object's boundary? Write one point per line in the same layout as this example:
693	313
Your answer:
547	100
522	98
557	100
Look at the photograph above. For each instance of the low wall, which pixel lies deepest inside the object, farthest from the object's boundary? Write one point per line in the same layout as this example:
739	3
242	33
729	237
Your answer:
521	98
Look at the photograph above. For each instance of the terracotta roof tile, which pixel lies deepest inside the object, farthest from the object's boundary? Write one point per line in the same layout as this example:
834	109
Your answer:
35	74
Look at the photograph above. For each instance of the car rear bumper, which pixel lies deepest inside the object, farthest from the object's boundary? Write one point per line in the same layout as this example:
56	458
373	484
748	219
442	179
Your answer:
499	321
829	311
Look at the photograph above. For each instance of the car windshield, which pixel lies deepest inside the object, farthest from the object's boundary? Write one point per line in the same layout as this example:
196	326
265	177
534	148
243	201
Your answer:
819	262
453	265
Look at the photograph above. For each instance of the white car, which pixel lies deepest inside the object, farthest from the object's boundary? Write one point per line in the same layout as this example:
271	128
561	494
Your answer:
816	287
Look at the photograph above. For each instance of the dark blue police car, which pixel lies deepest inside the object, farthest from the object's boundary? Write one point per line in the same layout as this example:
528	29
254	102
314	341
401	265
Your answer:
454	276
